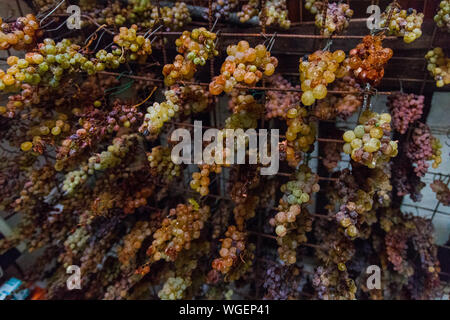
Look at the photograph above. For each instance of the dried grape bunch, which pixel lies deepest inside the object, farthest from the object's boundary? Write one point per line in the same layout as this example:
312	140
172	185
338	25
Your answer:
161	164
195	48
311	6
369	143
292	220
236	255
245	210
223	8
442	192
405	109
405	179
198	45
332	155
110	158
348	218
244	65
275	13
317	70
142	13
368	59
442	17
439	66
337	17
341	105
200	180
183	225
48	132
160	113
20	34
192	98
132	242
281	282
248	11
300	135
337	247
278	103
241	101
332	284
137	200
423	147
347	104
404	23
219	219
136	46
174	288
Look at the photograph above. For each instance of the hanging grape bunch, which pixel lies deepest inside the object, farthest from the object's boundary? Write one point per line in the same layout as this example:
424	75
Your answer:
160	113
248	11
369	143
244	65
236	255
442	192
110	158
223	8
136	46
278	103
46	133
439	66
337	17
403	23
200	180
368	59
195	48
405	109
316	71
300	134
275	13
183	225
423	147
442	17
20	34
292	220
161	164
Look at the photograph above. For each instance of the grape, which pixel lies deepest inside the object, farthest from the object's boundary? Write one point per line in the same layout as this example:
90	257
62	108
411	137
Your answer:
248	10
442	17
243	65
275	13
442	192
439	66
405	23
21	34
316	71
368	59
405	108
337	17
423	147
375	146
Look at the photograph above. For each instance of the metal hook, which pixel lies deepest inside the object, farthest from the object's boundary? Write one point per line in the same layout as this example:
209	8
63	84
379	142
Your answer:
401	85
214	25
272	41
328	45
46	25
217	38
152	32
51	12
99	40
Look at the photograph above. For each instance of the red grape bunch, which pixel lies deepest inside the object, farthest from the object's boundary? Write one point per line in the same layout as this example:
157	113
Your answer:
405	109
